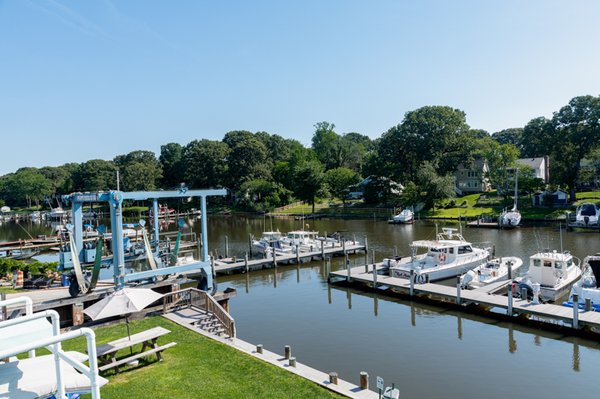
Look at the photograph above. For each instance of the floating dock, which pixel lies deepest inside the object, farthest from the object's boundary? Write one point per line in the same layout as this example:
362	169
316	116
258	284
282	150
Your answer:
483	225
244	265
486	297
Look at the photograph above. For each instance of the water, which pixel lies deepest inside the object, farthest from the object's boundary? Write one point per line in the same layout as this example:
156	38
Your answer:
428	352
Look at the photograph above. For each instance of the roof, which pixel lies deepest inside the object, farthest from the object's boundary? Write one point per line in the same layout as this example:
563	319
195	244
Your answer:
535	163
437	244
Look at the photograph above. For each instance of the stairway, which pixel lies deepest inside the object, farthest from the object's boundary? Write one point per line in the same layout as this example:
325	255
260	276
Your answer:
201	319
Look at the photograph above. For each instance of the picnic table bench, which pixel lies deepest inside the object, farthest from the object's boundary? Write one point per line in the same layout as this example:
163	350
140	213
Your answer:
107	353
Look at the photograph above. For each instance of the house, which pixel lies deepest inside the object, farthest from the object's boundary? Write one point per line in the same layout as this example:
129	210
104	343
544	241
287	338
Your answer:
540	166
385	184
472	179
556	198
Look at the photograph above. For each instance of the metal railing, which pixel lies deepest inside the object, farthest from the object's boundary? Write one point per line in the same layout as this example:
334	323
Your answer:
193	297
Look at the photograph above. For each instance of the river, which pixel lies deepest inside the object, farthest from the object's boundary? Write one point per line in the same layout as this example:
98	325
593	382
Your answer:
427	352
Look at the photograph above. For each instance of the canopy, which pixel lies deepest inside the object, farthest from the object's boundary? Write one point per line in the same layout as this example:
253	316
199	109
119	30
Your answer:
123	301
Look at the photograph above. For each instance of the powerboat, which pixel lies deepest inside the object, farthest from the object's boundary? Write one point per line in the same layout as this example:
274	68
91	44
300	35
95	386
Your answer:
404	217
588	214
269	242
448	256
588	287
554	272
490	272
511	218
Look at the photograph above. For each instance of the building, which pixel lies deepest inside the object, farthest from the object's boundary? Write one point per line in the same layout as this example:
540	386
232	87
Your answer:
558	198
472	179
540	166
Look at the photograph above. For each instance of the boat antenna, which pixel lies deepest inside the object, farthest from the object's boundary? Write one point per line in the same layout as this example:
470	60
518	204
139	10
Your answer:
118	181
560	231
516	186
436	230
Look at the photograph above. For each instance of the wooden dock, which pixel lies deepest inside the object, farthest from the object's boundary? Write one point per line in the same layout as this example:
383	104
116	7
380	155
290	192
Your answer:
485	297
483	225
244	265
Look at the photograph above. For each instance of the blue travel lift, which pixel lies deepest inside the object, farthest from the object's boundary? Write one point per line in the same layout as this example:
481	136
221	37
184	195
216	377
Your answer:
115	200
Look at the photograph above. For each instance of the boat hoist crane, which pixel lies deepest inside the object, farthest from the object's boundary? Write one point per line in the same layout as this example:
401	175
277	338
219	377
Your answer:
79	252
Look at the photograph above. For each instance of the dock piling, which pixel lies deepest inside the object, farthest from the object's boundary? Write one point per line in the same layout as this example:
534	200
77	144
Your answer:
328	269
364	380
374	276
259	348
250	244
288	351
509	310
575	311
348	276
323	249
412	282
292	362
226	247
524	294
274	258
333	378
588	304
246	262
297	255
366	244
458	300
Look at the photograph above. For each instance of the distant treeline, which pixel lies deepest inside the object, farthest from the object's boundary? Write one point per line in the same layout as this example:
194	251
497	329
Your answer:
265	170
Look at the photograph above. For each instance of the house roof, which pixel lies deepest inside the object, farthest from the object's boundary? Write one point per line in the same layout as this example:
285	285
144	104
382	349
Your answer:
535	163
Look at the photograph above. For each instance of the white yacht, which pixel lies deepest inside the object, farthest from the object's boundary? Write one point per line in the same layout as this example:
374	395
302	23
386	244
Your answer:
448	256
511	218
306	241
588	214
404	217
269	242
490	272
555	272
588	287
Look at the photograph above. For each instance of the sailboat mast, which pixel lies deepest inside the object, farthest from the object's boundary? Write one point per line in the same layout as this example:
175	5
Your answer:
516	186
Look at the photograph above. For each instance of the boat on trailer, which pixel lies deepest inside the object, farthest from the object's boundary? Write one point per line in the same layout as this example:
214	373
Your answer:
448	256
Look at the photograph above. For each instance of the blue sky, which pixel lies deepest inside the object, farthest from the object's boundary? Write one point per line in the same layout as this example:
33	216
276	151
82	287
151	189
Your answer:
93	79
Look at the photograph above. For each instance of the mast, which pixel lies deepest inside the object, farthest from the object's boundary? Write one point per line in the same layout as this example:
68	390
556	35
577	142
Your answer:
516	187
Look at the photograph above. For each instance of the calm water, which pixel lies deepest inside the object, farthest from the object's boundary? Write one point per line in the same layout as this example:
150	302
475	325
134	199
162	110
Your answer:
427	351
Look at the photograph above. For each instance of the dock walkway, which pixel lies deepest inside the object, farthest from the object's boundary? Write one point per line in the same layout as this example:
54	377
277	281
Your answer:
574	317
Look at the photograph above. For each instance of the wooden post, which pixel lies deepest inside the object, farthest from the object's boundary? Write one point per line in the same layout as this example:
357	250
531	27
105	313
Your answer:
588	304
366	244
292	362
328	269
288	351
274	258
509	264
250	244
374	275
4	308
226	247
353	239
77	314
323	249
524	294
575	311
395	251
297	254
348	276
246	262
333	378
344	247
259	348
458	301
373	256
364	380
412	282
509	310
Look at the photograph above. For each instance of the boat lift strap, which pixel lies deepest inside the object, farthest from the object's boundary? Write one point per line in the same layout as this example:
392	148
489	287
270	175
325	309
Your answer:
77	266
84	288
148	248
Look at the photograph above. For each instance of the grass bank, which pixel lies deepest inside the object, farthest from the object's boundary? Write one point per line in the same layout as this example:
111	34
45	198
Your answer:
197	367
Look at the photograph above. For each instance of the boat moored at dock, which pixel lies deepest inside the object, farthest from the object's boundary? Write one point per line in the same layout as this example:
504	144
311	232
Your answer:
494	270
588	287
404	217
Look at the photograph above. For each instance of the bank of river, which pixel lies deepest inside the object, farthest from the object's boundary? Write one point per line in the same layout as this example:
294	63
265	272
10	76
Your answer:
427	351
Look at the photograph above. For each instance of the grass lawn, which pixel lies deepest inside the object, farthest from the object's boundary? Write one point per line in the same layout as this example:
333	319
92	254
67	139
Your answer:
10	290
197	367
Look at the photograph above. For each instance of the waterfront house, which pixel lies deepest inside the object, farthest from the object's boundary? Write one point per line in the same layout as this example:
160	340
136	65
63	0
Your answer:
539	165
472	178
557	199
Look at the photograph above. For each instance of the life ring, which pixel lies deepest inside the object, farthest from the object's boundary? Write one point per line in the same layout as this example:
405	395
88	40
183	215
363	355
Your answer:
421	278
442	256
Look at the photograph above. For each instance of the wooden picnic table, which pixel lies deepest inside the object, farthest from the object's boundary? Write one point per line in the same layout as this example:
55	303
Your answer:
107	353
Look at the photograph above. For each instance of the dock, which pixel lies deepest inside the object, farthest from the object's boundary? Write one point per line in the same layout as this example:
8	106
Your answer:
487	297
244	265
483	225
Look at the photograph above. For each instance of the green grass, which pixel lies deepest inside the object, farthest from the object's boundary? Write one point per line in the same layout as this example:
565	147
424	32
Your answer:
10	290
197	367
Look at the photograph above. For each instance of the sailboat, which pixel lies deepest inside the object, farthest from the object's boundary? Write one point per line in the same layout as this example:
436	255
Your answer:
511	218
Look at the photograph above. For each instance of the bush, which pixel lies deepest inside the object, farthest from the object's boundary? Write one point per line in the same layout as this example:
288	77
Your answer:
34	267
451	204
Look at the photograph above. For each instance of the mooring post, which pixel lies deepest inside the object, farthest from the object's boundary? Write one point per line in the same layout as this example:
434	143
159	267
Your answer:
4	308
374	276
367	267
250	244
395	251
366	244
344	247
287	351
246	262
412	282
323	249
226	247
458	301
509	310
333	378
353	239
328	269
509	264
364	380
524	294
575	311
588	304
274	257
348	276
259	348
292	362
297	255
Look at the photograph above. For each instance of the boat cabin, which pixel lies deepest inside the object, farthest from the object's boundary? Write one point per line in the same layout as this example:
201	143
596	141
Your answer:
547	268
301	237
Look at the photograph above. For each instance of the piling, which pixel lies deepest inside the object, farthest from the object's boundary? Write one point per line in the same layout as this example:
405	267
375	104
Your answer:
323	249
348	276
366	244
364	380
77	314
250	244
259	348
575	311
246	262
292	362
328	269
458	290
287	351
412	282
524	294
374	275
4	308
274	258
588	304
226	247
333	378
509	264
344	247
509	310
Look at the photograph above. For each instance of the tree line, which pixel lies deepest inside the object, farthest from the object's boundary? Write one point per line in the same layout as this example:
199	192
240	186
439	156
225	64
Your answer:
264	170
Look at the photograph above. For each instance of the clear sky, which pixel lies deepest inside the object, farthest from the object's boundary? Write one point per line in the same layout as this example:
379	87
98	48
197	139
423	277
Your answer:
93	79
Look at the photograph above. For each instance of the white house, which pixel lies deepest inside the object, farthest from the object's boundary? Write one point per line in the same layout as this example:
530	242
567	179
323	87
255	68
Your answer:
540	166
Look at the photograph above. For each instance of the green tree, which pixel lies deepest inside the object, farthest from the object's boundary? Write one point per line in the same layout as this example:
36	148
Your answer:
171	161
205	163
339	181
247	159
310	181
512	136
28	185
501	158
327	145
261	195
139	170
432	186
95	175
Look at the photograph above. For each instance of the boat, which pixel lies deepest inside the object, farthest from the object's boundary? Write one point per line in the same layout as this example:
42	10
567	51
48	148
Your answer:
163	211
588	214
404	217
511	218
269	242
305	241
554	272
448	256
490	272
588	287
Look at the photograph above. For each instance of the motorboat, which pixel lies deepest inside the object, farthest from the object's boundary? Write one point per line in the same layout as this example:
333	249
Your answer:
554	272
588	214
404	217
447	256
588	287
269	242
490	272
511	218
305	241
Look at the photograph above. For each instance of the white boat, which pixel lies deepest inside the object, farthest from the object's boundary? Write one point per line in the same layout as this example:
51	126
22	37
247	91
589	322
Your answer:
588	214
269	242
404	217
490	272
555	272
588	287
448	256
305	241
511	218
